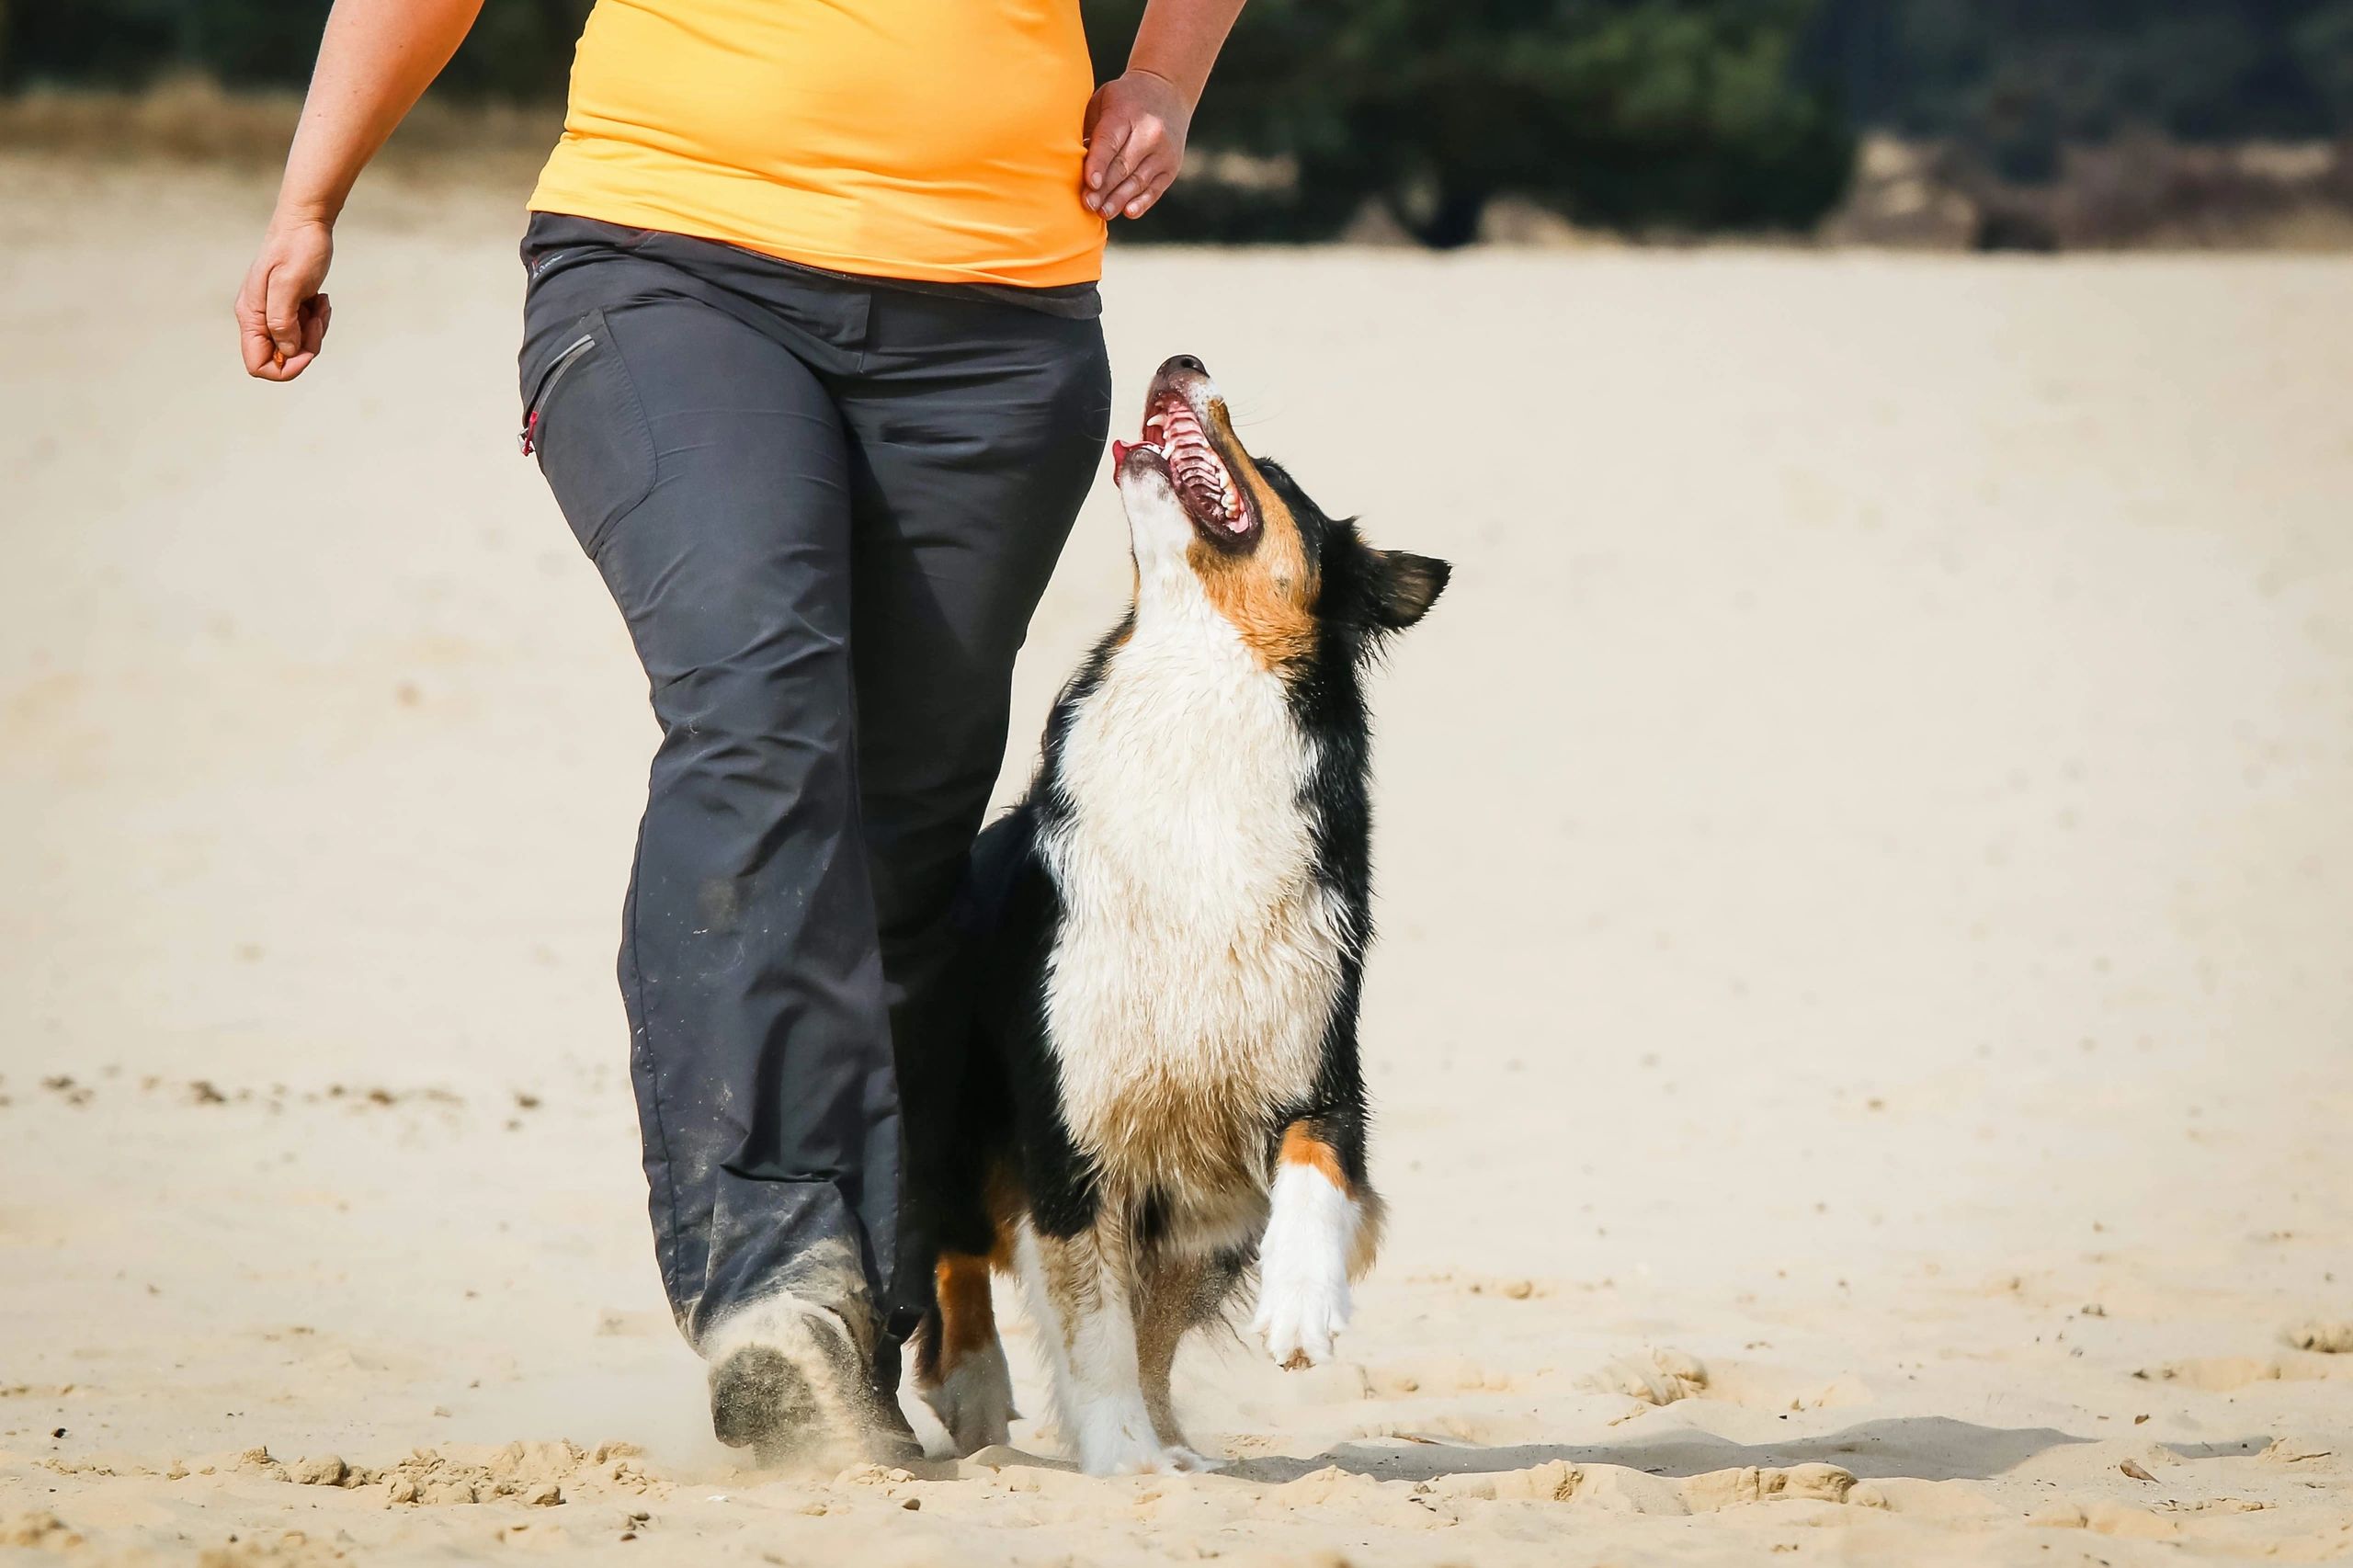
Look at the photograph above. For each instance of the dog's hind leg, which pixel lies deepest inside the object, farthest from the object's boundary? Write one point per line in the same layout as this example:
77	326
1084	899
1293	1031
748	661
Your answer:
1081	1289
959	1361
1169	1291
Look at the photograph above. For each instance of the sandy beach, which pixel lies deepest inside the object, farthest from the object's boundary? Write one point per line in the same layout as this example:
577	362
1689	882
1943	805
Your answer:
1861	1029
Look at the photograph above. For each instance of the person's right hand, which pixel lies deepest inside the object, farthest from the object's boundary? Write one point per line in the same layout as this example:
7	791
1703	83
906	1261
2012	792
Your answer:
281	316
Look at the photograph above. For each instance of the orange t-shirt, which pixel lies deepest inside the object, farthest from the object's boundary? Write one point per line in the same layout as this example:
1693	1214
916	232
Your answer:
936	139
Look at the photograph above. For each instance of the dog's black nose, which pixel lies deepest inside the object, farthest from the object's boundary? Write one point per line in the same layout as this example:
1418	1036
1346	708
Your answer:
1185	363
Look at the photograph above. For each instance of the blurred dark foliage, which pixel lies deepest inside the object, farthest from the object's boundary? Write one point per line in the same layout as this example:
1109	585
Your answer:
2017	82
520	50
1672	112
1678	114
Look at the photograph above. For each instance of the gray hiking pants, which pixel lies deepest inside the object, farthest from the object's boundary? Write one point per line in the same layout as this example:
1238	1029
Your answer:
826	507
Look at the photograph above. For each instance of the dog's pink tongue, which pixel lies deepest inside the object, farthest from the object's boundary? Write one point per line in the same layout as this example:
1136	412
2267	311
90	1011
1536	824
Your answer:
1119	451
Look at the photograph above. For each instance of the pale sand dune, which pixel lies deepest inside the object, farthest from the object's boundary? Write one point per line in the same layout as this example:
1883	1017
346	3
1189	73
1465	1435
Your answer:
1861	1029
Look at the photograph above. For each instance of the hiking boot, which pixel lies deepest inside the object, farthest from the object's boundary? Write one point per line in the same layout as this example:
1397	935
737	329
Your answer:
806	1396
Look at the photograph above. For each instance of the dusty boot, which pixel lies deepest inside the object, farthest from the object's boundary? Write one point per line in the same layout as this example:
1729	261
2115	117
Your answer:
760	1401
789	1382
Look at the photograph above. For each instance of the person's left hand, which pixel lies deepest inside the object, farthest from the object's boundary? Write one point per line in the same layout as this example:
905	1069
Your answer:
1135	143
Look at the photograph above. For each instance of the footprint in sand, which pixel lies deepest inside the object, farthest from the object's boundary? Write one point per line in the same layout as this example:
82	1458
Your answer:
1664	1375
536	1475
1659	1376
1778	1390
2330	1339
288	1549
1476	1431
2222	1374
41	1531
1619	1489
1440	1375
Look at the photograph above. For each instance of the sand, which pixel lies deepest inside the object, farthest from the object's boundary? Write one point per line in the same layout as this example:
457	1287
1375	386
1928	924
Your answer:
1861	1029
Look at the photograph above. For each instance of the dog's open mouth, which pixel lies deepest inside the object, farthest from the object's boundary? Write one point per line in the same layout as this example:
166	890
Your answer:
1174	434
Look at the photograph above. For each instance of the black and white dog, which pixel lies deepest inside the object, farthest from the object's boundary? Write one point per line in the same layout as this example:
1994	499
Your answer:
1170	934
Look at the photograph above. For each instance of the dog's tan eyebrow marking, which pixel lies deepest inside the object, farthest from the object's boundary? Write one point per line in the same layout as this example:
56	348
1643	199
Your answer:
1302	1147
1267	593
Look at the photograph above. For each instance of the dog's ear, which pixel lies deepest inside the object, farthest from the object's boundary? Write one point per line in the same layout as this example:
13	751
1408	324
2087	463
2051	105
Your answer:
1405	586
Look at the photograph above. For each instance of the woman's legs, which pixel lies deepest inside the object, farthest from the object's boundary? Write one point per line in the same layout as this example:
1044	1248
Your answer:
826	512
702	463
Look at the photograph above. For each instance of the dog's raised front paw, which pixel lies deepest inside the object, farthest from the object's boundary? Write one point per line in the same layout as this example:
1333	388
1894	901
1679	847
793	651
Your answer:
1300	1314
1312	1225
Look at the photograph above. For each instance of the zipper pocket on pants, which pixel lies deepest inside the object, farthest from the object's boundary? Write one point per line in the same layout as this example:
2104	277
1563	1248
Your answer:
527	439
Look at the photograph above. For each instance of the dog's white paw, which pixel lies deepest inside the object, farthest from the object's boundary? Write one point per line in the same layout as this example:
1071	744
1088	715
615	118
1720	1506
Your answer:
1303	1267
1114	1436
1178	1460
974	1400
1300	1313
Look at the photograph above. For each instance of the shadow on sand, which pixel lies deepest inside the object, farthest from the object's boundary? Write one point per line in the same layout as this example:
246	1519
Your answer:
1926	1448
1919	1447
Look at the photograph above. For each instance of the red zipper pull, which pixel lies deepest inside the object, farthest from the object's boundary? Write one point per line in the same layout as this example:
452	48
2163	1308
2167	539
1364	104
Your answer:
530	428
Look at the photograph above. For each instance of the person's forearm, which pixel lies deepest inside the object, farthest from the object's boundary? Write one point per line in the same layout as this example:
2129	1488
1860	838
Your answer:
376	61
1178	40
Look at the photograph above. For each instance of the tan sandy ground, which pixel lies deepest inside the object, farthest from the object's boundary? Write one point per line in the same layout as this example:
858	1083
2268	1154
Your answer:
1867	856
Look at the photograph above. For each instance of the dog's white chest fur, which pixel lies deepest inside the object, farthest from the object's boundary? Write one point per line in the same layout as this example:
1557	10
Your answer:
1198	957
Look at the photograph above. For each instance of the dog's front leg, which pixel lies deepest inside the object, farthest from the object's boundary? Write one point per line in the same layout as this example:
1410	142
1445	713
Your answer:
1081	1288
1322	1230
